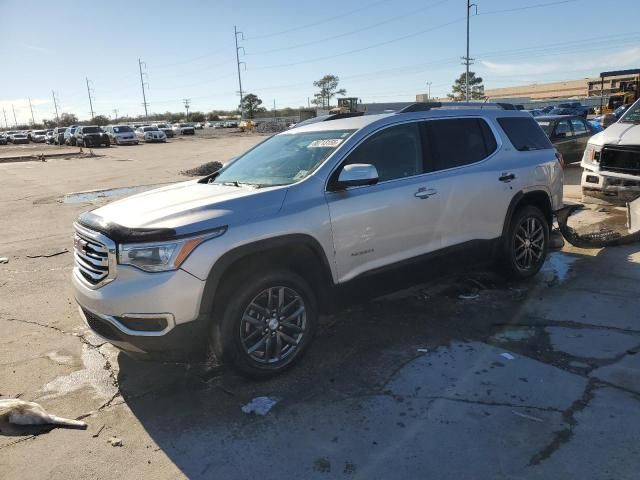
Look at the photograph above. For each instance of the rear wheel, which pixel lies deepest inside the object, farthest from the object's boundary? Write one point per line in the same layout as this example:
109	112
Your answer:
267	323
524	249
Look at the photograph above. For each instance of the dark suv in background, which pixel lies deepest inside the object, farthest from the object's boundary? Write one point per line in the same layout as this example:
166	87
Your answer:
91	136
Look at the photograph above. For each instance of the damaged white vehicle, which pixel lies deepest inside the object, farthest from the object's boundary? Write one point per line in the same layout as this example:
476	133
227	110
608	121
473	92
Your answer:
611	161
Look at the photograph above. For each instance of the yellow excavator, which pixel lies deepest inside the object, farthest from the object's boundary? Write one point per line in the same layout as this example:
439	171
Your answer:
628	93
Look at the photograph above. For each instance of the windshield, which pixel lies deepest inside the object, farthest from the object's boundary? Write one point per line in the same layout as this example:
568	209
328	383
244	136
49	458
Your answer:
632	115
39	132
150	129
123	129
283	159
546	125
91	130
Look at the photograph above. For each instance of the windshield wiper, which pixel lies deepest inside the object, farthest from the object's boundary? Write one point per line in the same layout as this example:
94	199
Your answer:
235	183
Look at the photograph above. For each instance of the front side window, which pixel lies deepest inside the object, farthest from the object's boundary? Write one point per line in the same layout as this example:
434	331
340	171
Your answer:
457	142
395	152
282	159
563	129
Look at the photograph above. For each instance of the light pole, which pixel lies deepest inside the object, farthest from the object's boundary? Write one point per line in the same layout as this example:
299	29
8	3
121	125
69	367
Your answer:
429	93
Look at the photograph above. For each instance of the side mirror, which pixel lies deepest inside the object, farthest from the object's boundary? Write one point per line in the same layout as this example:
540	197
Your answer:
357	174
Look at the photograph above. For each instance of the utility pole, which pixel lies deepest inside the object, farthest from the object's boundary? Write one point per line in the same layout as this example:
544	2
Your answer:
15	120
115	114
33	120
187	101
55	104
468	60
274	108
429	93
90	100
144	97
6	124
236	32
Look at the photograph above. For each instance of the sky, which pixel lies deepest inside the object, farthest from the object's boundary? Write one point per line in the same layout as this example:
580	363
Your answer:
382	50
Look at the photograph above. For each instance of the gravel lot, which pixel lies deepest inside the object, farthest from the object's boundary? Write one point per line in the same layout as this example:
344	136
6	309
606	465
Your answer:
454	375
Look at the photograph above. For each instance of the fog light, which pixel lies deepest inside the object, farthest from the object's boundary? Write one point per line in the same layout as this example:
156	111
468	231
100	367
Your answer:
592	179
144	322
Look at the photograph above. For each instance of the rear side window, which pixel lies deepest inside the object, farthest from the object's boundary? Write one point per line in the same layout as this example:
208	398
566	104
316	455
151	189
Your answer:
456	142
524	133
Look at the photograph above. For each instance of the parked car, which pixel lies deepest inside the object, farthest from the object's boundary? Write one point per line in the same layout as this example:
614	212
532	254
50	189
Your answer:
231	124
9	135
611	161
166	128
49	136
569	134
244	260
534	113
91	136
121	135
218	125
59	135
183	129
38	136
70	135
150	134
17	137
3	139
198	126
577	107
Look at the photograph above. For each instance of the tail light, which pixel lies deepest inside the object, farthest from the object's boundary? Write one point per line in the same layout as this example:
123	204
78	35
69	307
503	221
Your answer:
560	158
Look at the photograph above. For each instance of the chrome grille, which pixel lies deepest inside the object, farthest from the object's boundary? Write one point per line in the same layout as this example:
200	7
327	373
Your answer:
94	256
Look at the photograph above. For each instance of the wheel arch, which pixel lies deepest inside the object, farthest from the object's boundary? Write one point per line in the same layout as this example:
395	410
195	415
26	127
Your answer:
301	253
538	198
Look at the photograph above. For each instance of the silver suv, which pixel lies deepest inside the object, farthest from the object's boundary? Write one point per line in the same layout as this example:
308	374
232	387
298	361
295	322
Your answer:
241	262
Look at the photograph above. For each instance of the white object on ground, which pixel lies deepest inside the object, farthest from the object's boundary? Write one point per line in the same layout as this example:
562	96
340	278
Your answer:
21	412
4	260
260	405
507	355
423	350
468	296
115	442
528	417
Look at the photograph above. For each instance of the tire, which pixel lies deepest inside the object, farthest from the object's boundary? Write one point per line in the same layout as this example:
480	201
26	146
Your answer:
233	337
107	144
86	143
524	249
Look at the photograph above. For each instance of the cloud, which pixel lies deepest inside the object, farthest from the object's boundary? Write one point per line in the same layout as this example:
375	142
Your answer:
42	108
623	59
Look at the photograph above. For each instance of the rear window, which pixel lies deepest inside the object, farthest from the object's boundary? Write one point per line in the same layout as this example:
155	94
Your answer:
456	142
524	133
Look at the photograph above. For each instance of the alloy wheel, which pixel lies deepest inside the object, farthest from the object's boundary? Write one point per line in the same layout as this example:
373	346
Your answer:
528	242
273	325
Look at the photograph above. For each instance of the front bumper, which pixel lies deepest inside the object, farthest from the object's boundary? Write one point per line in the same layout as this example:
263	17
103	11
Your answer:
126	141
610	186
175	296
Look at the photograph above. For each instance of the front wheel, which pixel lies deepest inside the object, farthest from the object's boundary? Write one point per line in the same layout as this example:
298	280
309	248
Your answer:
267	323
524	249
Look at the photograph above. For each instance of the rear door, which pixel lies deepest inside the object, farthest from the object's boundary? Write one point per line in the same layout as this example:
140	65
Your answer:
581	133
474	184
393	220
564	141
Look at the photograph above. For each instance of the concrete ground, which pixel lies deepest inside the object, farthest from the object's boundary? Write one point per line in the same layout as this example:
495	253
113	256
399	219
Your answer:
462	375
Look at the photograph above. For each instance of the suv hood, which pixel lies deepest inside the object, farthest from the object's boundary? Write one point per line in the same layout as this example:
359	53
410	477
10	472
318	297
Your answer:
618	134
190	207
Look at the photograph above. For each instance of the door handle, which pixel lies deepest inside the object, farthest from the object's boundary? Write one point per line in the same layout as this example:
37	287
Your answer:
424	192
507	177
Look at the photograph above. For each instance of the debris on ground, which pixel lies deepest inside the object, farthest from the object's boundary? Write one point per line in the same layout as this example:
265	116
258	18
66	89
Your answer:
115	442
423	350
469	296
4	260
507	355
260	405
49	255
528	417
203	170
21	412
97	432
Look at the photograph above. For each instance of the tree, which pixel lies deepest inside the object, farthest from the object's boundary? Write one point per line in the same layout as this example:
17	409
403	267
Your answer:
67	119
101	120
328	86
197	117
476	88
213	117
251	105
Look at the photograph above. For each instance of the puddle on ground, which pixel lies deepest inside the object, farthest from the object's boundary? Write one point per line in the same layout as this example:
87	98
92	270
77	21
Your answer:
86	197
558	265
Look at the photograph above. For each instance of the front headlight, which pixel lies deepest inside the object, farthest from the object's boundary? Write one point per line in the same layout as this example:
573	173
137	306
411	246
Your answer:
592	154
162	256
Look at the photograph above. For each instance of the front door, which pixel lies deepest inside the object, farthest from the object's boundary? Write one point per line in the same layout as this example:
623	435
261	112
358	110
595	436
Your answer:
382	224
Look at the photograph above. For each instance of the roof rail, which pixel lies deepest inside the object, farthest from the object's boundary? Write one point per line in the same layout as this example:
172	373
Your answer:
426	106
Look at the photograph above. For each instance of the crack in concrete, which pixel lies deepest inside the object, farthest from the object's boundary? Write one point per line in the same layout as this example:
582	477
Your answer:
561	437
543	322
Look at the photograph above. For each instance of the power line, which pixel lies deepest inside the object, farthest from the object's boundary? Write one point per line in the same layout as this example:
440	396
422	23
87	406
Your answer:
528	7
352	32
319	22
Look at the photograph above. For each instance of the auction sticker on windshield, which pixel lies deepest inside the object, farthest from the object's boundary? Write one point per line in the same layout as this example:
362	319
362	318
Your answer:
328	143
